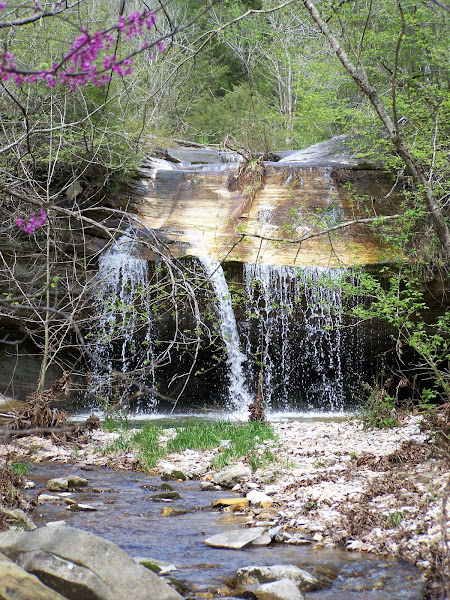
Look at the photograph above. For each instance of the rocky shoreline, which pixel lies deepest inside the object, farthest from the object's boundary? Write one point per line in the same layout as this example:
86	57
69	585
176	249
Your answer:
384	492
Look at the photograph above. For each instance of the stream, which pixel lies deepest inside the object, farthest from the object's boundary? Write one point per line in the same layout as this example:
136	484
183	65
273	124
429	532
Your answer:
127	516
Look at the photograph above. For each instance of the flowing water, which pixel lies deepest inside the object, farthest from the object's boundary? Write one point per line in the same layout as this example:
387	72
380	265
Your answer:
298	314
122	290
127	516
239	397
292	323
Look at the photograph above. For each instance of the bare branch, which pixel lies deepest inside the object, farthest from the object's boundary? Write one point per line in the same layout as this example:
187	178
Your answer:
327	231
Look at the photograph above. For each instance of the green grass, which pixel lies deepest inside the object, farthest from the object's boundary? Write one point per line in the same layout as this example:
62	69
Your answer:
20	468
121	444
394	519
244	441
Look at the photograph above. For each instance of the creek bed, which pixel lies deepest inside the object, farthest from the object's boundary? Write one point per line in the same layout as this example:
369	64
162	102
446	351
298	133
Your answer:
127	516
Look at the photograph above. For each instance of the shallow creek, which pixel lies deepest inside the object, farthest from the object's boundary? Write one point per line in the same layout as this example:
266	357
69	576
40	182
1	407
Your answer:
127	516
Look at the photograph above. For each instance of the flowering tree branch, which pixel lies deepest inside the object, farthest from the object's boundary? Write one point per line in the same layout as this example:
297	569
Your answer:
88	60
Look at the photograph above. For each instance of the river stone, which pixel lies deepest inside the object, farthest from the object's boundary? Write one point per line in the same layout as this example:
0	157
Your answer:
285	589
235	538
239	502
254	574
229	477
17	584
63	484
17	518
166	497
173	476
161	567
171	511
263	540
83	566
259	499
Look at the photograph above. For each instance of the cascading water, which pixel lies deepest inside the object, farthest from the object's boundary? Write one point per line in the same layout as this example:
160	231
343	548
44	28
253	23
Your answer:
239	396
297	314
122	295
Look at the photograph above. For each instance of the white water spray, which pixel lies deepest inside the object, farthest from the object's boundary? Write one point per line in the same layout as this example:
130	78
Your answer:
122	292
238	393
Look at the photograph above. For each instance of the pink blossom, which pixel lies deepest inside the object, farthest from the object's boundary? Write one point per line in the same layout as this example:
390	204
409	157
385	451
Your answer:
35	221
87	60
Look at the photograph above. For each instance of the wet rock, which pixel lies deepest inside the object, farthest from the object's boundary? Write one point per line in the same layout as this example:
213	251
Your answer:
80	564
263	540
235	502
17	584
207	485
166	497
228	478
63	484
166	487
255	574
81	507
173	476
17	518
161	567
236	538
48	498
285	589
170	511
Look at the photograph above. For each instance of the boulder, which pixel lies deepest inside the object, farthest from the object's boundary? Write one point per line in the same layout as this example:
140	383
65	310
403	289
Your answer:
285	589
228	478
235	538
252	575
17	584
63	484
83	566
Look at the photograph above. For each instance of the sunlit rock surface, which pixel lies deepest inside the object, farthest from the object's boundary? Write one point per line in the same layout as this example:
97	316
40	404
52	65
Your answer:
195	209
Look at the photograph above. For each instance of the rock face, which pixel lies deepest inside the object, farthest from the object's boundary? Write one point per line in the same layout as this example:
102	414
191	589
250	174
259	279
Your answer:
308	190
83	566
17	584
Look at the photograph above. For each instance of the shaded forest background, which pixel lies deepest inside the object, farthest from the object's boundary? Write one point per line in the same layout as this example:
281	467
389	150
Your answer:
253	74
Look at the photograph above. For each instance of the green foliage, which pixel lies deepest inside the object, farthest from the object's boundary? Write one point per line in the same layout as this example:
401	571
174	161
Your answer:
399	301
20	468
380	410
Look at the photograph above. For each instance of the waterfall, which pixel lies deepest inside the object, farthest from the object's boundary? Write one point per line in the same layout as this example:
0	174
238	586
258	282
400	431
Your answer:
239	396
297	314
120	302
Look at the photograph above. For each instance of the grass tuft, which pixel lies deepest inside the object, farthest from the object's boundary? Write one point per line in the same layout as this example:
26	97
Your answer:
236	441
